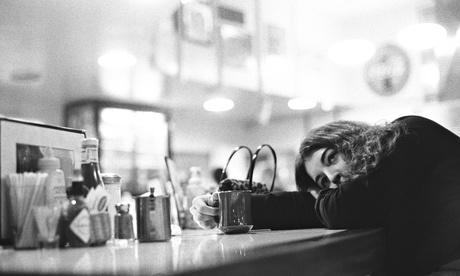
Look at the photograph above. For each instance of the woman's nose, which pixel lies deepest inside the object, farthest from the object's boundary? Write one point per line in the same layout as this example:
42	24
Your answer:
334	176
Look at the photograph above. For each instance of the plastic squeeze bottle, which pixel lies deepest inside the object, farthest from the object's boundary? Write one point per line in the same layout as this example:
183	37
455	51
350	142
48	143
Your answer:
194	188
55	183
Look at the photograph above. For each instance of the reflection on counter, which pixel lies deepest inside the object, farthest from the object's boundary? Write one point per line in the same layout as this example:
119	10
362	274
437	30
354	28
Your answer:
194	249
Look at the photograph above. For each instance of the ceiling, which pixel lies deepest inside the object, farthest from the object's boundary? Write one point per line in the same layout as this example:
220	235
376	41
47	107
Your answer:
54	45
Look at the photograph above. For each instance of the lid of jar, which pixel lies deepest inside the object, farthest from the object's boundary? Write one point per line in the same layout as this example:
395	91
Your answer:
90	142
122	207
110	178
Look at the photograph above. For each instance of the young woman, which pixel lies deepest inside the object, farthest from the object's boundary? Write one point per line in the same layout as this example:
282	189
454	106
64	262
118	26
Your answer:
403	176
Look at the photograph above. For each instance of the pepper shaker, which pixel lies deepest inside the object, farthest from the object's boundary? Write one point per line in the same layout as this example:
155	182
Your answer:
123	222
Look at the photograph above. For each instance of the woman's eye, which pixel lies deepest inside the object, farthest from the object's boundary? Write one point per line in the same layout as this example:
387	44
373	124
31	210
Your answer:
331	157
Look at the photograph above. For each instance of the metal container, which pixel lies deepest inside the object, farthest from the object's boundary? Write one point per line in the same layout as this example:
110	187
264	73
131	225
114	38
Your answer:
153	218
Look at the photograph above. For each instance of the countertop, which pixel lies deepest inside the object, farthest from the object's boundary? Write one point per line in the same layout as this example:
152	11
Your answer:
207	252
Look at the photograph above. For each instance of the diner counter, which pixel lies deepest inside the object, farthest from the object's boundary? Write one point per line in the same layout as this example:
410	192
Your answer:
210	252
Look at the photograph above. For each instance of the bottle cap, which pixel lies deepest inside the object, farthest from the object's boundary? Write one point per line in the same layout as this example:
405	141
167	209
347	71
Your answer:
195	171
77	187
93	142
69	192
48	162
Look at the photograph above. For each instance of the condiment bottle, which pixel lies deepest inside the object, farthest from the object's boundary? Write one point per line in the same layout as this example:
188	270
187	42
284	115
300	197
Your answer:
90	169
78	224
123	222
55	182
112	184
65	218
194	188
55	189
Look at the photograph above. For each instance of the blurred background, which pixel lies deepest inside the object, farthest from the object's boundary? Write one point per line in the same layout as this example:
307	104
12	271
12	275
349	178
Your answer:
136	74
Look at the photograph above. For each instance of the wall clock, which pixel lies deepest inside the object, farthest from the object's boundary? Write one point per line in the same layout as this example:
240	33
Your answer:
388	70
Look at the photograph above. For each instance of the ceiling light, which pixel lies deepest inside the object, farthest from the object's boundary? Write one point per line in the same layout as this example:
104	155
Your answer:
301	103
117	59
218	104
352	51
421	36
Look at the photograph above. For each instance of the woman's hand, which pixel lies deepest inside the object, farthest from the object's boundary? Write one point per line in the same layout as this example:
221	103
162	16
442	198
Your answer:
204	210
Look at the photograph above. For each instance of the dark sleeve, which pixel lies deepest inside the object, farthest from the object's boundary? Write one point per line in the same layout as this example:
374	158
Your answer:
284	210
351	205
364	203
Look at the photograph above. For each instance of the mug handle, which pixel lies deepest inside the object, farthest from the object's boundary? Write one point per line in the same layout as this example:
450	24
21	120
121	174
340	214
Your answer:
224	170
253	164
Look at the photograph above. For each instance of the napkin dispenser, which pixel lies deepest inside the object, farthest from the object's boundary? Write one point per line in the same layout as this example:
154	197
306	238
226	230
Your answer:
22	144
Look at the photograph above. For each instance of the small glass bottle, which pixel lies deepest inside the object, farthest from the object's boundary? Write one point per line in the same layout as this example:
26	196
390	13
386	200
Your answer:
90	169
123	222
78	224
112	184
194	188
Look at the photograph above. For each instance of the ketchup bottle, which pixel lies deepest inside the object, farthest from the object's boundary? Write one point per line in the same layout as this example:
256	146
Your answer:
90	169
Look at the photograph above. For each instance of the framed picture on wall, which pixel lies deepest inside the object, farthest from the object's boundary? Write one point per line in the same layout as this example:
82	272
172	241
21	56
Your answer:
237	46
197	22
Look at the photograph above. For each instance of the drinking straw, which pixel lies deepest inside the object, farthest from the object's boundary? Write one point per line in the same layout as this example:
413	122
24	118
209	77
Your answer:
26	191
11	182
37	195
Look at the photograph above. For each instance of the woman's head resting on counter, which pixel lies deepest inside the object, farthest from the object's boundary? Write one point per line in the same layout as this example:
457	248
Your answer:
342	151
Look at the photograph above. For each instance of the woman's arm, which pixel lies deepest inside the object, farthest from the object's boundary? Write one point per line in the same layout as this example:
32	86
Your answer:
350	206
284	210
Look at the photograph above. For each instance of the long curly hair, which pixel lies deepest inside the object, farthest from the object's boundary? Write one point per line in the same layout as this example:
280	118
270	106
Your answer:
363	146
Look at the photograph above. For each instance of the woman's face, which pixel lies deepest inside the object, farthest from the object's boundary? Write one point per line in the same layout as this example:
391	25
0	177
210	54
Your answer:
326	167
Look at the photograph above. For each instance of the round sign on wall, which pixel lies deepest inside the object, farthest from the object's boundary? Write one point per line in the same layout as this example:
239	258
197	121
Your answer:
388	70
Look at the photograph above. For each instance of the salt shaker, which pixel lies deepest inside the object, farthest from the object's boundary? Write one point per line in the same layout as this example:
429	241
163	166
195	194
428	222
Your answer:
123	222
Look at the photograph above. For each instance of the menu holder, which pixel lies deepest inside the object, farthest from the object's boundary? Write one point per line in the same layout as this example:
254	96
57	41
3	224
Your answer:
21	146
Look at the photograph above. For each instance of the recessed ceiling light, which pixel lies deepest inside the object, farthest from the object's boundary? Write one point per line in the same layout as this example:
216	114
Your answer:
352	51
117	59
218	104
302	103
422	36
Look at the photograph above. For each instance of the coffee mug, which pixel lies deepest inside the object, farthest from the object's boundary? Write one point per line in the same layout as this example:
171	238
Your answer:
235	211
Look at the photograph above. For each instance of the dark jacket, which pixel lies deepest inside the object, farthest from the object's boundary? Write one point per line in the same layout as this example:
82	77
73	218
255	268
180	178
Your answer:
414	194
